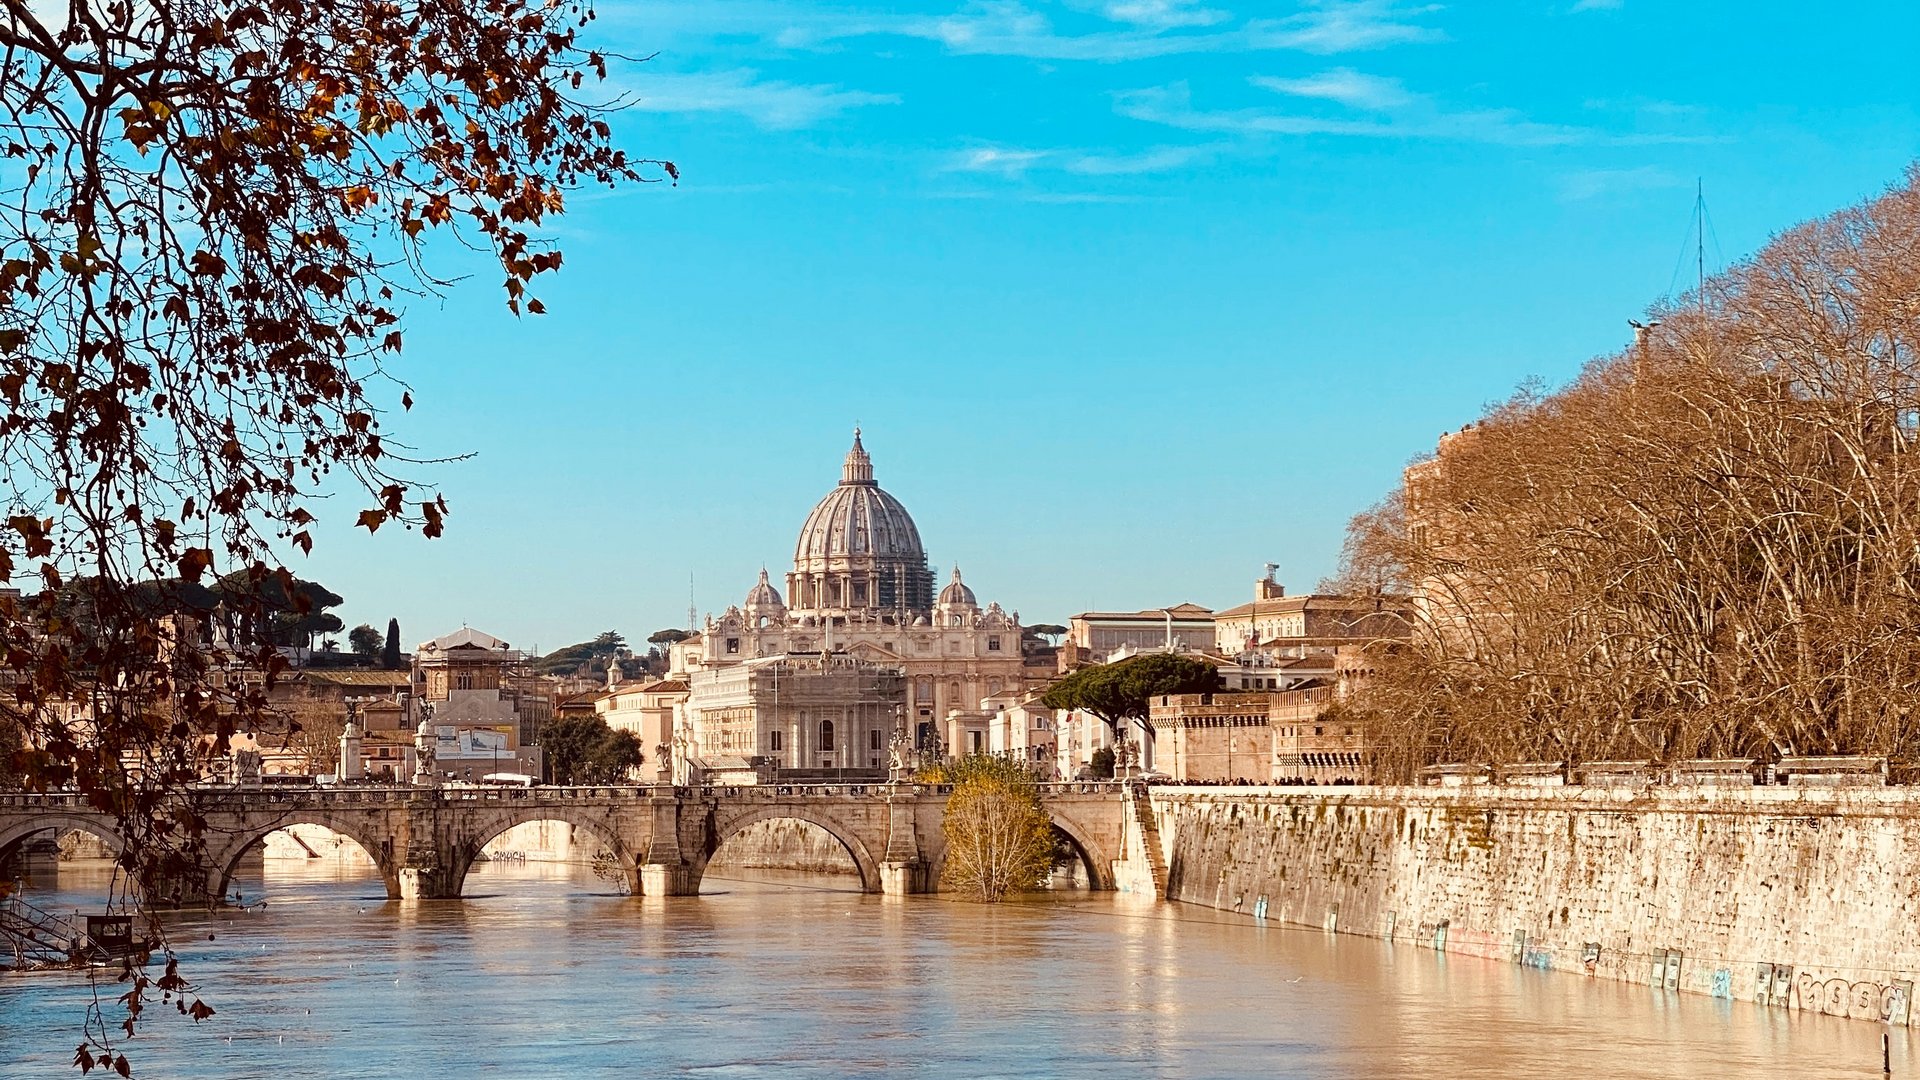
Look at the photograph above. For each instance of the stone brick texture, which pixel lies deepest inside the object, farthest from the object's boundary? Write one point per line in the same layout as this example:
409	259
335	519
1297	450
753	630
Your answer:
1800	898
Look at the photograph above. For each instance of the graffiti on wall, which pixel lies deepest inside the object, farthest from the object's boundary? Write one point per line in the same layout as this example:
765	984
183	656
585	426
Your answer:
1889	1002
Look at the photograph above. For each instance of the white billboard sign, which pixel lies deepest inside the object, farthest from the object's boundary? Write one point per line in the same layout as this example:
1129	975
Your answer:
470	743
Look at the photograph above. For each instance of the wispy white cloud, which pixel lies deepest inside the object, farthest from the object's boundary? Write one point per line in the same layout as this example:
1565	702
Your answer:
1645	108
1371	113
1342	85
771	103
1582	184
1152	160
1337	26
1163	14
1069	198
1123	30
1017	162
1173	107
995	159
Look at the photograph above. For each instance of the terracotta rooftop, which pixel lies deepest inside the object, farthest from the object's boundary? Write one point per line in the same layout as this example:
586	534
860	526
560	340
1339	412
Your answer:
658	686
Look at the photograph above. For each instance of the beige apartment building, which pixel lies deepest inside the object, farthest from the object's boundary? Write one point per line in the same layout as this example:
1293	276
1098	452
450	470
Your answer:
647	709
1094	637
1293	626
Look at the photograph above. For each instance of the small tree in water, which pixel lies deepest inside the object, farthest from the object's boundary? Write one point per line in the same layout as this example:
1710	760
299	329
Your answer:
999	837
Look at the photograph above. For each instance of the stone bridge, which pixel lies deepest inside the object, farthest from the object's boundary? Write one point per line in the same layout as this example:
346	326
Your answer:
424	840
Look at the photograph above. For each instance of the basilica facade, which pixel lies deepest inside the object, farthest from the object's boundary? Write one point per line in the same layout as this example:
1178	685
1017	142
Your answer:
859	606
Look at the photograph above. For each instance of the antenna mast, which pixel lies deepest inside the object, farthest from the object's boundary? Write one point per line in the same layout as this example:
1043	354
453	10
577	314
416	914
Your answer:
1700	242
692	612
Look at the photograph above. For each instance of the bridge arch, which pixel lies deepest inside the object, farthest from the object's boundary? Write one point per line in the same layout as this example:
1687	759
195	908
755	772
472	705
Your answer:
604	833
726	827
1094	858
371	833
1099	868
13	837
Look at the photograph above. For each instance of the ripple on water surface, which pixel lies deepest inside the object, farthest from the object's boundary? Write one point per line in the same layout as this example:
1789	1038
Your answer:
543	972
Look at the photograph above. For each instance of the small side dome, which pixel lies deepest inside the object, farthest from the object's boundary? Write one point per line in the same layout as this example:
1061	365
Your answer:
956	594
764	599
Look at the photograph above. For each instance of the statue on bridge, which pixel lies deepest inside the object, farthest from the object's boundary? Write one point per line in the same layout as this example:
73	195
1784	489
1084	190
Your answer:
898	749
423	748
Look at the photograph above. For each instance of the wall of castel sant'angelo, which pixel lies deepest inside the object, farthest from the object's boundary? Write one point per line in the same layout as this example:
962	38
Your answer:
1793	898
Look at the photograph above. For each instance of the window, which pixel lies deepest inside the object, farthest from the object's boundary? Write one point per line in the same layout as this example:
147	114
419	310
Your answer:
859	593
826	735
993	643
773	740
873	739
733	644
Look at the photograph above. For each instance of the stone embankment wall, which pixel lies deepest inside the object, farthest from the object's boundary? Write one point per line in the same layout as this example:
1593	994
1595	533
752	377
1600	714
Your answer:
783	844
1791	897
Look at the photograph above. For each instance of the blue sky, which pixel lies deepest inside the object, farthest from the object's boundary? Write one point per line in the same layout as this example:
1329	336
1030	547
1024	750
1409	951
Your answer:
1130	296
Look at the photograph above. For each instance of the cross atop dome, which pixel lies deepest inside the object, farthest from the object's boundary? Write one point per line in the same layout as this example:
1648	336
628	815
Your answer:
859	467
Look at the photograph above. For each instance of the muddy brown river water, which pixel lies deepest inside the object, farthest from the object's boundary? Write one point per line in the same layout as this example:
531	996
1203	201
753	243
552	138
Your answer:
544	972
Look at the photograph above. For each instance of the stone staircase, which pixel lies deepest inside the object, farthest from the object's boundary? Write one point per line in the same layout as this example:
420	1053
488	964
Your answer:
1144	842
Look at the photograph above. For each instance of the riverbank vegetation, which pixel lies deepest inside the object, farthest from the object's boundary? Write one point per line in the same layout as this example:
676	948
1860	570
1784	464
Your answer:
1707	545
999	837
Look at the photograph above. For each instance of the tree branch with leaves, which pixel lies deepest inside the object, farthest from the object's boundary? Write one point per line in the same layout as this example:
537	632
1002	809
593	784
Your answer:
212	214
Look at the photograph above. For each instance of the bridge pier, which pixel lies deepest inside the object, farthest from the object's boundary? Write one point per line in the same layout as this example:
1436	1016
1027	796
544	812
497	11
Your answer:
664	869
425	883
906	878
668	879
437	851
904	870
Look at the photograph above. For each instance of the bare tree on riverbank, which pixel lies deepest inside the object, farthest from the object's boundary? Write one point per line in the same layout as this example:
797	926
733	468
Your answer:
1708	545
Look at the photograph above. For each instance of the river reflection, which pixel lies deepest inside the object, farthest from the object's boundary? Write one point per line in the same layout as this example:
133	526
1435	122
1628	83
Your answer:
544	972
